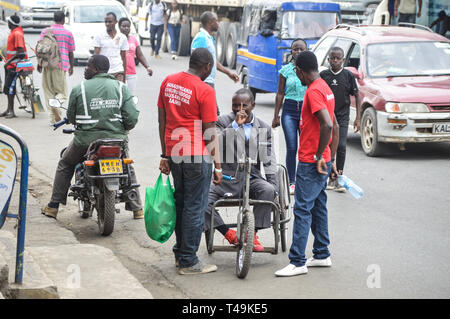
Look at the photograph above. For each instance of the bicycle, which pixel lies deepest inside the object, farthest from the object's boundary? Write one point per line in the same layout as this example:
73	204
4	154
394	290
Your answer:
29	101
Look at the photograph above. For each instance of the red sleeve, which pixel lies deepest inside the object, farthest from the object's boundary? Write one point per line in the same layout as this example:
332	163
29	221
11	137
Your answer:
317	101
161	100
208	105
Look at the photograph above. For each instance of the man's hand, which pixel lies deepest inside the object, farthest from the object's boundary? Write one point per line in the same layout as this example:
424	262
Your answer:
217	178
322	166
164	166
356	125
276	122
70	70
419	14
334	172
149	71
241	116
233	76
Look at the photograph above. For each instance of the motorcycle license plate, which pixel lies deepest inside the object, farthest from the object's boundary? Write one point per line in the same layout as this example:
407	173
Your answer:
110	167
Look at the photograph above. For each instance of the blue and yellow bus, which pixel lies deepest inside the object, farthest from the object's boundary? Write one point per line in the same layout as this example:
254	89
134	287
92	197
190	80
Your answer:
268	28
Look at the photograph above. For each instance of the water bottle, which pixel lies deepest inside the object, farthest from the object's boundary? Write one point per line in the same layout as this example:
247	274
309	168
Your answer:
349	185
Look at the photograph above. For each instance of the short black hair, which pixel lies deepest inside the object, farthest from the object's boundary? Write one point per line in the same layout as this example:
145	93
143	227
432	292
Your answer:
59	16
334	49
297	40
307	61
247	92
199	58
101	63
442	14
206	17
122	20
15	18
112	14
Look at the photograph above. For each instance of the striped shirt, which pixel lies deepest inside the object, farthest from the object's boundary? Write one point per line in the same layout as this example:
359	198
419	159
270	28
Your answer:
65	41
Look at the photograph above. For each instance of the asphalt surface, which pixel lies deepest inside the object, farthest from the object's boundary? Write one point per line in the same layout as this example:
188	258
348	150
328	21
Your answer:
392	243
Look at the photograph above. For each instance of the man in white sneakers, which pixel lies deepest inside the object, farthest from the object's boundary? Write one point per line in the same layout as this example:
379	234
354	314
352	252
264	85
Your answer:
318	145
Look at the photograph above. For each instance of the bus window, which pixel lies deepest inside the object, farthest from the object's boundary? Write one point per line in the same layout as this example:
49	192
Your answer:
268	22
307	24
255	20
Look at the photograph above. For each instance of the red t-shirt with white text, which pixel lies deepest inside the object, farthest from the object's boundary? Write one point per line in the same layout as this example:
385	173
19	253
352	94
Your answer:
318	96
188	102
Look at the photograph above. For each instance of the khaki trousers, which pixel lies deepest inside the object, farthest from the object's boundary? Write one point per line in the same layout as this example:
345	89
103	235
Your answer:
54	84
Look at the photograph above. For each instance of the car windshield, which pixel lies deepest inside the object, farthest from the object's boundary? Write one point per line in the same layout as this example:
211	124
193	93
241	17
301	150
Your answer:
307	24
408	59
96	14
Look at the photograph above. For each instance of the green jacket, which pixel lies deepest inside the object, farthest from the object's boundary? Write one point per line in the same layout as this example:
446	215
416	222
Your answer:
101	107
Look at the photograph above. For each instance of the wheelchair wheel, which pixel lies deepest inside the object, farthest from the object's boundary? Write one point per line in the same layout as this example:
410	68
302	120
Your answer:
284	205
245	248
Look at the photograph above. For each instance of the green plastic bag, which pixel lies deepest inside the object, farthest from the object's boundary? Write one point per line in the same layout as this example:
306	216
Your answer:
160	212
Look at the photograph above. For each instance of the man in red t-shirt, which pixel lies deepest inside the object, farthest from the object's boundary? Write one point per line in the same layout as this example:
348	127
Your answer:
15	50
187	114
318	143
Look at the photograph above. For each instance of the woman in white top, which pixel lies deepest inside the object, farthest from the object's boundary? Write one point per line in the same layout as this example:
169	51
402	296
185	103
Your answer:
173	25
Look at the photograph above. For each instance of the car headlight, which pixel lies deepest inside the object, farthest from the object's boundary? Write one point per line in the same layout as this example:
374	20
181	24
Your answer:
393	107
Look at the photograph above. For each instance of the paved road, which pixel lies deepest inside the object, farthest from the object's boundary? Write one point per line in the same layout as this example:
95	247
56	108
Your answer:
393	243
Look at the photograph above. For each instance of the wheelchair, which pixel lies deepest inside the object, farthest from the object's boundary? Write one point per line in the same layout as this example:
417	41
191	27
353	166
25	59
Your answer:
281	215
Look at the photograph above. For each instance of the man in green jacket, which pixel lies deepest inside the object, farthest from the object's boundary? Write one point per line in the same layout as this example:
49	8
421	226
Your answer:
100	107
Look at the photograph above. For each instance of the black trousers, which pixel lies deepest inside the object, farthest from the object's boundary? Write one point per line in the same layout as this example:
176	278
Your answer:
72	156
342	146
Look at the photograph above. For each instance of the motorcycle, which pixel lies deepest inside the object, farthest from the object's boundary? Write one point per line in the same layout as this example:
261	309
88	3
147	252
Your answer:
102	179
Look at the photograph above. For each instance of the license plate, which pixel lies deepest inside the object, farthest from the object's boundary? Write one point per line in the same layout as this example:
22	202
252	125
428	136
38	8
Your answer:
441	128
110	167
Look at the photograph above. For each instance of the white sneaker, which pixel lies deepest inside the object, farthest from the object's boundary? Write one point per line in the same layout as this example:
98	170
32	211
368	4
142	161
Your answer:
291	270
311	262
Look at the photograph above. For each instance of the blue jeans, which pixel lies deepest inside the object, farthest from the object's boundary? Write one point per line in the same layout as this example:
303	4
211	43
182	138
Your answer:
409	18
191	181
290	121
156	30
174	32
310	212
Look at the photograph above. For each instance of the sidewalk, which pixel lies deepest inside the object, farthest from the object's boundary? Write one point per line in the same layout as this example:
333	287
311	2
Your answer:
57	265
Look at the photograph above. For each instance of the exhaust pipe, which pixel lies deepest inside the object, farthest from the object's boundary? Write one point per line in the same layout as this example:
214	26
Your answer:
130	195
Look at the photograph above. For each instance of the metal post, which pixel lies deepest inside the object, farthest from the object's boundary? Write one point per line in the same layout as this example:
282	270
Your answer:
22	201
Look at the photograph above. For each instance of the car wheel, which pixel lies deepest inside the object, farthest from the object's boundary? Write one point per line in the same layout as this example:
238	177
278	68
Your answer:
184	44
231	45
369	133
222	42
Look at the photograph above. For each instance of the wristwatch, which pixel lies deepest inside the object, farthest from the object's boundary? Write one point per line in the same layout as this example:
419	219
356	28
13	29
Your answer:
317	158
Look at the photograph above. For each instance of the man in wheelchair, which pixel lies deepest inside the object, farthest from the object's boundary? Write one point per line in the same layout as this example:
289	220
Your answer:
241	134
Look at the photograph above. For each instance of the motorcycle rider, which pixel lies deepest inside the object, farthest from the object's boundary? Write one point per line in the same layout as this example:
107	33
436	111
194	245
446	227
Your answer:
100	107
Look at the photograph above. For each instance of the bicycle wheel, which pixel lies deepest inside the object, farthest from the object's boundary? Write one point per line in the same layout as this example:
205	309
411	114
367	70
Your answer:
246	237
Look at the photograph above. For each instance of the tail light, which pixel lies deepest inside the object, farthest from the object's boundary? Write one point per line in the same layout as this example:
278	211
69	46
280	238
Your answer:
108	151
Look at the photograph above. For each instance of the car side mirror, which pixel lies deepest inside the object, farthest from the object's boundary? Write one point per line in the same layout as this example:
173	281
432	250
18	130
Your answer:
354	72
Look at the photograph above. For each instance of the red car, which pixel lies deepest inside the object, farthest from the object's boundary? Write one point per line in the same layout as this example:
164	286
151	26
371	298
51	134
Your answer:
403	75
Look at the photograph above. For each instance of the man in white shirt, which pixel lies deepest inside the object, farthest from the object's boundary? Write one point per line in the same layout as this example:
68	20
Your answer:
406	10
113	45
157	11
